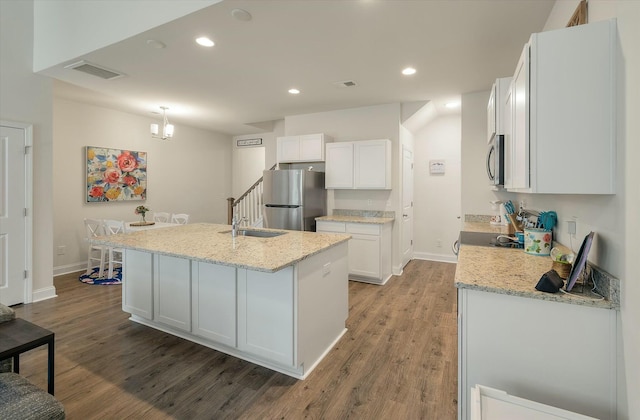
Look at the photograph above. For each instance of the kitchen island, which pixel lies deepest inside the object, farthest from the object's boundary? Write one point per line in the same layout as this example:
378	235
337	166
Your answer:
554	348
280	302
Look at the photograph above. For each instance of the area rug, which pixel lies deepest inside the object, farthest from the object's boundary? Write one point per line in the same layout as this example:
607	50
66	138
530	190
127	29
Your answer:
94	279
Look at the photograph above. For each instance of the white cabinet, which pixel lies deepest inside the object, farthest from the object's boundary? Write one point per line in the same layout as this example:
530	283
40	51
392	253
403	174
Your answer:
369	249
213	296
304	148
563	112
266	314
496	111
559	354
358	165
172	291
137	283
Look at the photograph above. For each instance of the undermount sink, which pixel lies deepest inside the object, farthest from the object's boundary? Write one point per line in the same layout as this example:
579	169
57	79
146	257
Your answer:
256	233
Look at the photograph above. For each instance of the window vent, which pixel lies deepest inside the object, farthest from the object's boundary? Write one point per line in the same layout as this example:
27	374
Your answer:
94	70
345	83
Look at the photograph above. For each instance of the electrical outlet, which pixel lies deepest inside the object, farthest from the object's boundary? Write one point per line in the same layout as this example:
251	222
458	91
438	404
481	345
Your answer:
439	243
369	202
61	249
326	269
571	227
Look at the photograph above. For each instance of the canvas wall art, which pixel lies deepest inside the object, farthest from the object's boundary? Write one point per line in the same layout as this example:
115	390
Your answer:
115	175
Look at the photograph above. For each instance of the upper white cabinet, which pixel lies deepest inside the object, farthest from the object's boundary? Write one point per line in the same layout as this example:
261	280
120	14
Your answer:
358	165
304	148
496	110
563	112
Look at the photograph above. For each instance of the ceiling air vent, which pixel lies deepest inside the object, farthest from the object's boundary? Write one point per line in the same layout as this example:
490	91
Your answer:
345	83
94	70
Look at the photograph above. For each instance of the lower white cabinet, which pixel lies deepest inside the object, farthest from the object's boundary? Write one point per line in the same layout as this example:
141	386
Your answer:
266	314
172	291
559	354
137	283
287	320
369	249
213	296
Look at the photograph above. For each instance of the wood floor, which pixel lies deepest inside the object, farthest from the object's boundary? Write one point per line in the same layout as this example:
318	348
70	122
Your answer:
397	360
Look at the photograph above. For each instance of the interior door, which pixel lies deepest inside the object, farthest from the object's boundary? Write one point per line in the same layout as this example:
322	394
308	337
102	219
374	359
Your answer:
13	227
407	205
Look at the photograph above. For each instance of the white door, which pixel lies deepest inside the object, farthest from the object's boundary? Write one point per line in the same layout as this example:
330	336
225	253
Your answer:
407	205
14	262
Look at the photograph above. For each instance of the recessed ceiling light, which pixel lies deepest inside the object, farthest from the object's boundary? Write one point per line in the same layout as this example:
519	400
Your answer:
452	104
205	42
294	91
409	71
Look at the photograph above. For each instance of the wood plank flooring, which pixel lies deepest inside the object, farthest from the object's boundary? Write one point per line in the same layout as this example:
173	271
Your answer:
397	360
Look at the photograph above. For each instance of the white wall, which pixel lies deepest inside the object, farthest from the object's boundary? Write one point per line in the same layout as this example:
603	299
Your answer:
26	97
65	29
476	193
191	173
437	197
613	218
616	218
365	123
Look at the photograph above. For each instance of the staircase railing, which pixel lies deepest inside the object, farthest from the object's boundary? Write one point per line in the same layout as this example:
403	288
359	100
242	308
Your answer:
248	206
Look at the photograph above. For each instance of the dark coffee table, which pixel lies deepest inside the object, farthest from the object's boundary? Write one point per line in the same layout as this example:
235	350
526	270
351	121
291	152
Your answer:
18	336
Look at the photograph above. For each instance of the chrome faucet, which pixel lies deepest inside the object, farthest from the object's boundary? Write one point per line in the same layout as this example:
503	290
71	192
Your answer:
234	226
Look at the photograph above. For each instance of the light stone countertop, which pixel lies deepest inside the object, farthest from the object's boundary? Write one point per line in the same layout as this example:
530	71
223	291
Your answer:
356	219
485	227
205	242
513	272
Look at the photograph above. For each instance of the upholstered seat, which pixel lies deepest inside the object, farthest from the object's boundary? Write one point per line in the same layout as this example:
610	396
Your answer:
22	400
19	398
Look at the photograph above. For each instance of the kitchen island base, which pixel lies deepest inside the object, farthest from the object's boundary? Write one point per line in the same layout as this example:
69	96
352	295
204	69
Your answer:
287	320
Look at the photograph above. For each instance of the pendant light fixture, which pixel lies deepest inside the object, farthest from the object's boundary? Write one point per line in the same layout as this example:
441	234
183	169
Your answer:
167	129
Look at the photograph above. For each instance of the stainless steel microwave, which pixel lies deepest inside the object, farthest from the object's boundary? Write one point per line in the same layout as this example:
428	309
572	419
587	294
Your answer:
495	160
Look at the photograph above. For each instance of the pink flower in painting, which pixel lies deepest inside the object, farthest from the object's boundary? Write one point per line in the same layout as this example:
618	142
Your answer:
96	191
129	180
547	237
111	176
127	162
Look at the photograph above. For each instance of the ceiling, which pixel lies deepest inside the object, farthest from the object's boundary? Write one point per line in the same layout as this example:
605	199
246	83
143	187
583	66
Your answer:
457	46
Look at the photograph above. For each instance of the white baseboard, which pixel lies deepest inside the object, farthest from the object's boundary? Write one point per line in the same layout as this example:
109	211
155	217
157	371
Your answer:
435	257
69	268
43	294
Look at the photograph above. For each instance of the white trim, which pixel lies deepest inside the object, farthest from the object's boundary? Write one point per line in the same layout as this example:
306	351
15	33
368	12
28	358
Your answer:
69	268
28	204
435	257
44	294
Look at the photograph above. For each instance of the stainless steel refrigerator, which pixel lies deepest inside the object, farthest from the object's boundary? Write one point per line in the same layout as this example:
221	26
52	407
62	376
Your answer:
293	198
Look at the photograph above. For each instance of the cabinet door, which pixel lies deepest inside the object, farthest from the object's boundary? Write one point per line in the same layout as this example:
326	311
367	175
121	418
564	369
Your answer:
508	139
173	291
288	149
311	148
266	314
491	114
520	123
372	164
364	250
214	302
339	165
137	283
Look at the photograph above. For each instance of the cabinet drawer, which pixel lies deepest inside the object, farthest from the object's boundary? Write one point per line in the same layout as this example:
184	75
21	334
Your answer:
330	227
363	228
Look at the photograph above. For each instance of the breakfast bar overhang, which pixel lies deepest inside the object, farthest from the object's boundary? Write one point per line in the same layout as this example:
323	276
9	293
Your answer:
280	302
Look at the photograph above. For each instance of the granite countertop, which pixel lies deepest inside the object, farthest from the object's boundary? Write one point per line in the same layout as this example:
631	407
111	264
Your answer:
513	272
356	219
205	242
485	227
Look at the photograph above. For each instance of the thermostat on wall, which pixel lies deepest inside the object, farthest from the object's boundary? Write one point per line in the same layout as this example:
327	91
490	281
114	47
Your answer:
436	166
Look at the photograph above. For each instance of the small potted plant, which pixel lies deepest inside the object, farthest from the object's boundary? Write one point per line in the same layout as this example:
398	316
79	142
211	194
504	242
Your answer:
142	210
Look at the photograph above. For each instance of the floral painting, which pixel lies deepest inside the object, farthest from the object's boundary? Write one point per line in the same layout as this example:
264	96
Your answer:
115	175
